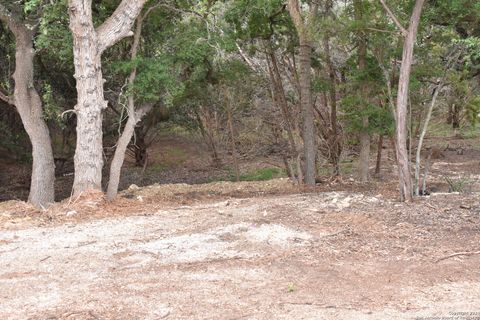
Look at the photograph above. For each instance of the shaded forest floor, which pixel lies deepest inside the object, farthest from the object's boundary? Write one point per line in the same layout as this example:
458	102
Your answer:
250	250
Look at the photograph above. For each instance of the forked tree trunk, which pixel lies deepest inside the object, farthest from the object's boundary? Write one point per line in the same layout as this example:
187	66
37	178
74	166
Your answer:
29	106
404	173
88	46
133	118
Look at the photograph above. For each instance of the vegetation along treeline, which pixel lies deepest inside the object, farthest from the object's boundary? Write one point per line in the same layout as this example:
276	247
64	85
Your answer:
304	80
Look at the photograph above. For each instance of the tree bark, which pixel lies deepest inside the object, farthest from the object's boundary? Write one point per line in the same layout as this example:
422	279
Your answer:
233	143
29	106
133	118
278	95
88	46
333	138
405	178
379	155
303	29
364	158
422	137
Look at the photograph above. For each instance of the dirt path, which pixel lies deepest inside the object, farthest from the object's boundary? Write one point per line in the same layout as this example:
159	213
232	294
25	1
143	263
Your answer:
306	256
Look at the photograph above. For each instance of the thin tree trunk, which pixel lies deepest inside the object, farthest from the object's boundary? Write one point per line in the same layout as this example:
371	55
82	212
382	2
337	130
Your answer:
278	93
379	155
232	134
88	46
133	118
29	106
208	137
362	64
422	137
334	141
405	178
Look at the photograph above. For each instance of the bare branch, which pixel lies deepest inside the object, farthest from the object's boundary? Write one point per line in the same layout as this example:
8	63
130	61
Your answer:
394	18
119	24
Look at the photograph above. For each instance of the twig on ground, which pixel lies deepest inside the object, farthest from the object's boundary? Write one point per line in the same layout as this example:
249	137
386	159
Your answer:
310	303
48	257
467	253
431	206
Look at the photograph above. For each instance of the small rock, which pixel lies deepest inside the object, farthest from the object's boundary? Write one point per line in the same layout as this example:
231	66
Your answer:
71	213
133	187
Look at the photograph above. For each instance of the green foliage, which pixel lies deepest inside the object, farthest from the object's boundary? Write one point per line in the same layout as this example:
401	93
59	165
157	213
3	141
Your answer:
54	38
31	5
473	110
262	174
51	110
380	119
252	19
365	96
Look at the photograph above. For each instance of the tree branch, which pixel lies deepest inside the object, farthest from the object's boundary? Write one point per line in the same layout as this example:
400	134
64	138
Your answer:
119	24
4	97
394	18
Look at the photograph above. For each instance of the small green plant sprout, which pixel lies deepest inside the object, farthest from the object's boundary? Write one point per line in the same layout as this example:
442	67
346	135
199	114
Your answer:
291	287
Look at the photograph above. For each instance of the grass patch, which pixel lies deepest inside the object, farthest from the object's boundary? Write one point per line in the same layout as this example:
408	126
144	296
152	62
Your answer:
262	174
443	130
158	167
470	132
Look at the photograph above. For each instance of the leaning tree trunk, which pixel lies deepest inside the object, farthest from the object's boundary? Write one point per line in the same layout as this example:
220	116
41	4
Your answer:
405	178
133	118
88	46
29	106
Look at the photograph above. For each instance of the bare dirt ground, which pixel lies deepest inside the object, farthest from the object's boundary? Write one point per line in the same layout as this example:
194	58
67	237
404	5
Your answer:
296	255
250	250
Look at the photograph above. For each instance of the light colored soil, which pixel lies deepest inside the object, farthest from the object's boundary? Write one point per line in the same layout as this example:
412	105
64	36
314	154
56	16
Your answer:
324	255
249	250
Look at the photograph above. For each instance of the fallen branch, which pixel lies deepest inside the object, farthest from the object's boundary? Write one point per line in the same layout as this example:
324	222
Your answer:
458	254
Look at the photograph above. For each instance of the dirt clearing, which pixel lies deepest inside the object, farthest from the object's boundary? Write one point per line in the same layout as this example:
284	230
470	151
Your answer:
327	255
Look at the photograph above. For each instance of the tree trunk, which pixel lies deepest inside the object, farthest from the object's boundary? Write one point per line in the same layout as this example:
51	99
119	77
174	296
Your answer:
29	106
379	155
303	27
122	144
133	118
232	134
307	111
278	95
362	64
333	138
405	178
88	46
422	136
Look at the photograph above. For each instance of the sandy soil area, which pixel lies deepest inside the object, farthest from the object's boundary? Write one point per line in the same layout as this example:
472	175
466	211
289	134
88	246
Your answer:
323	255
